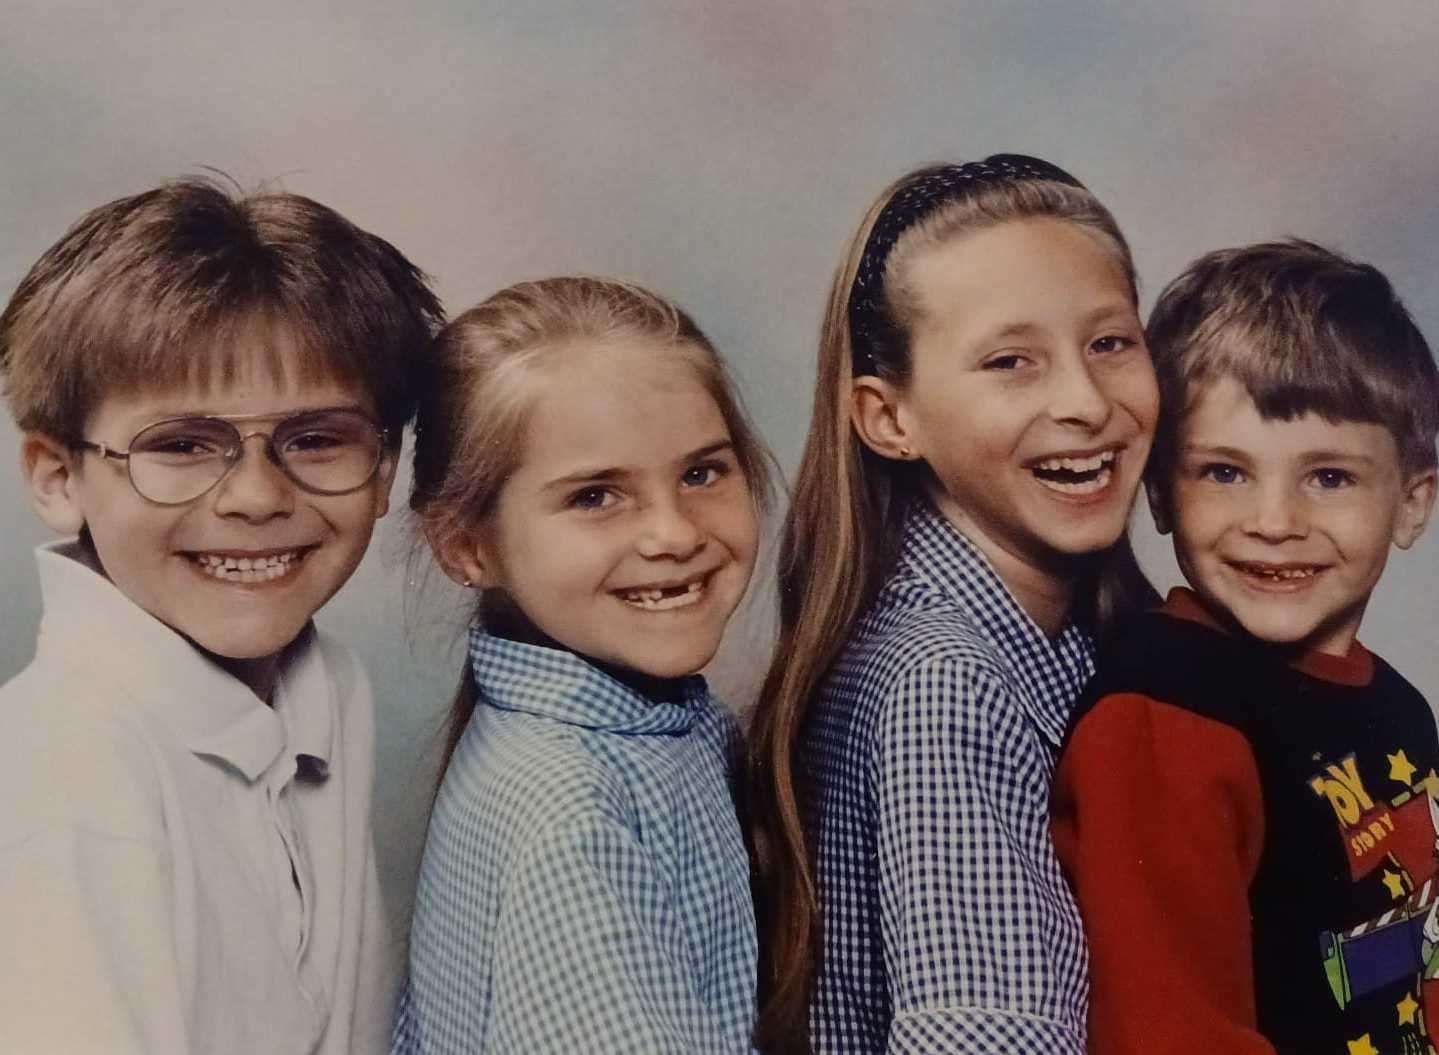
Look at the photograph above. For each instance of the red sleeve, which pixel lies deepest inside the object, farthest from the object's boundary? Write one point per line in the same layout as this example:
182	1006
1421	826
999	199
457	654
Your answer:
1159	823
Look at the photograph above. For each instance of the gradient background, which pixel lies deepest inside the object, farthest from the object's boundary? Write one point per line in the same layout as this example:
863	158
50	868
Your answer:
720	152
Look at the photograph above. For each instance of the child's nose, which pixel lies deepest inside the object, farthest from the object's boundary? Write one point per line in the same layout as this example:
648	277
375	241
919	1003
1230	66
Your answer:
1076	397
1277	513
255	488
669	530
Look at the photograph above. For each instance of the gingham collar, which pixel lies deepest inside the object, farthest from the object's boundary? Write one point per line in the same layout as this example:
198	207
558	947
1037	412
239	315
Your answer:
934	551
560	685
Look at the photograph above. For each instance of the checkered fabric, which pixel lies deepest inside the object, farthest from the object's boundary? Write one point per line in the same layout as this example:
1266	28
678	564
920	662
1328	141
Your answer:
947	925
584	885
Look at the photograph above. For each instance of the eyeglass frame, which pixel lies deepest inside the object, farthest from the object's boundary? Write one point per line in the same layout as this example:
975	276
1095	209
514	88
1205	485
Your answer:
233	455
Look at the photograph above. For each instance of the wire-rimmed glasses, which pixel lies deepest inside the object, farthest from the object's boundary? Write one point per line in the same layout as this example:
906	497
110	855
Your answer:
332	451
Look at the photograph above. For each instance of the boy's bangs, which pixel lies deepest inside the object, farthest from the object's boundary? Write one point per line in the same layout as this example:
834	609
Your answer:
1321	372
210	348
288	351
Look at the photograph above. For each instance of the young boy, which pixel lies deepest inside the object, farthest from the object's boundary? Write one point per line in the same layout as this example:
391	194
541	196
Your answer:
211	392
1245	802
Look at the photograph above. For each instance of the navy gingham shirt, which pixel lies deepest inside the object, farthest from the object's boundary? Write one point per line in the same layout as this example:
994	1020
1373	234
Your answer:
585	886
947	924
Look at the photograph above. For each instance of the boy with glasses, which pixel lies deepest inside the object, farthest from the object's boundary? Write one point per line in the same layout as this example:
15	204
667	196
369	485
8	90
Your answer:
211	391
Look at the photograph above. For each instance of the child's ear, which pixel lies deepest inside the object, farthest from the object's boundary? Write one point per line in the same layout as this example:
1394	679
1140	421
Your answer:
1158	506
52	470
877	414
461	556
1414	508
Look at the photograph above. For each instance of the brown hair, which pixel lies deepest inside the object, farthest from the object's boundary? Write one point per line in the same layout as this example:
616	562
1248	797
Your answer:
154	289
839	541
1303	329
475	388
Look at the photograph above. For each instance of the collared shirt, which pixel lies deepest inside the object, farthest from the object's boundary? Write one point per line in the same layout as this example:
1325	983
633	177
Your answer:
183	868
584	886
947	925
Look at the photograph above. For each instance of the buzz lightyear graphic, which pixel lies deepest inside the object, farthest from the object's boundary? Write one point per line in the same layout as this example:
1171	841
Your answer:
1403	942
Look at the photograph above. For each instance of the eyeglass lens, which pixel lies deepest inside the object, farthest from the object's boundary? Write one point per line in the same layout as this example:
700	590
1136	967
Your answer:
328	451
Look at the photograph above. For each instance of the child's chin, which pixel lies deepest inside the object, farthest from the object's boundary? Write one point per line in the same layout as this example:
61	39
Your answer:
1280	632
260	644
670	670
678	665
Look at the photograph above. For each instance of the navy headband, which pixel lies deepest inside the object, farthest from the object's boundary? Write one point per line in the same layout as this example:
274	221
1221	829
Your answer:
926	192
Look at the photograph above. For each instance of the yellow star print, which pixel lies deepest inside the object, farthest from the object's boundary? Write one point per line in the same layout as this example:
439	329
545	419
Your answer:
1407	1008
1362	1046
1401	769
1395	883
1431	784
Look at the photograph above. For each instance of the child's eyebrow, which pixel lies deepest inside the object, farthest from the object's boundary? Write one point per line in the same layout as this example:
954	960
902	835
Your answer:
1014	329
168	411
1112	311
1352	457
1200	450
709	449
1117	309
603	475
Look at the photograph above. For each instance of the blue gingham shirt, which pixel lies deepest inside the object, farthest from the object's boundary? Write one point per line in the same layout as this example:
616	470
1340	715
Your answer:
947	925
584	886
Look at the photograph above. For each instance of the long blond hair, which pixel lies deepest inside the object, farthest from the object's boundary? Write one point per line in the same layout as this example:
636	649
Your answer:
477	384
839	541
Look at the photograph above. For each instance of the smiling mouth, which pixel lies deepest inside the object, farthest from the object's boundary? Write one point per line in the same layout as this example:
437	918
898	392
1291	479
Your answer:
1076	475
1277	575
268	567
666	598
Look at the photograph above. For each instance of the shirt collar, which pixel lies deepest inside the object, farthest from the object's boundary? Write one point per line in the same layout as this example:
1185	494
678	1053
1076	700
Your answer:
1354	668
558	684
88	621
935	551
305	701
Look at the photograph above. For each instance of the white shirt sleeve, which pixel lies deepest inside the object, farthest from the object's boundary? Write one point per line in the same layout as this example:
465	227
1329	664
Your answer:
89	962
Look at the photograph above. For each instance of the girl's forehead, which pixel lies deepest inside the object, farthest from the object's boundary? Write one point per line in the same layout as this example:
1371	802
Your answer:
624	391
1021	272
622	366
621	418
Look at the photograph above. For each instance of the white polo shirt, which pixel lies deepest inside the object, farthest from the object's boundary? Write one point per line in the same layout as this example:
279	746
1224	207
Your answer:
183	868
